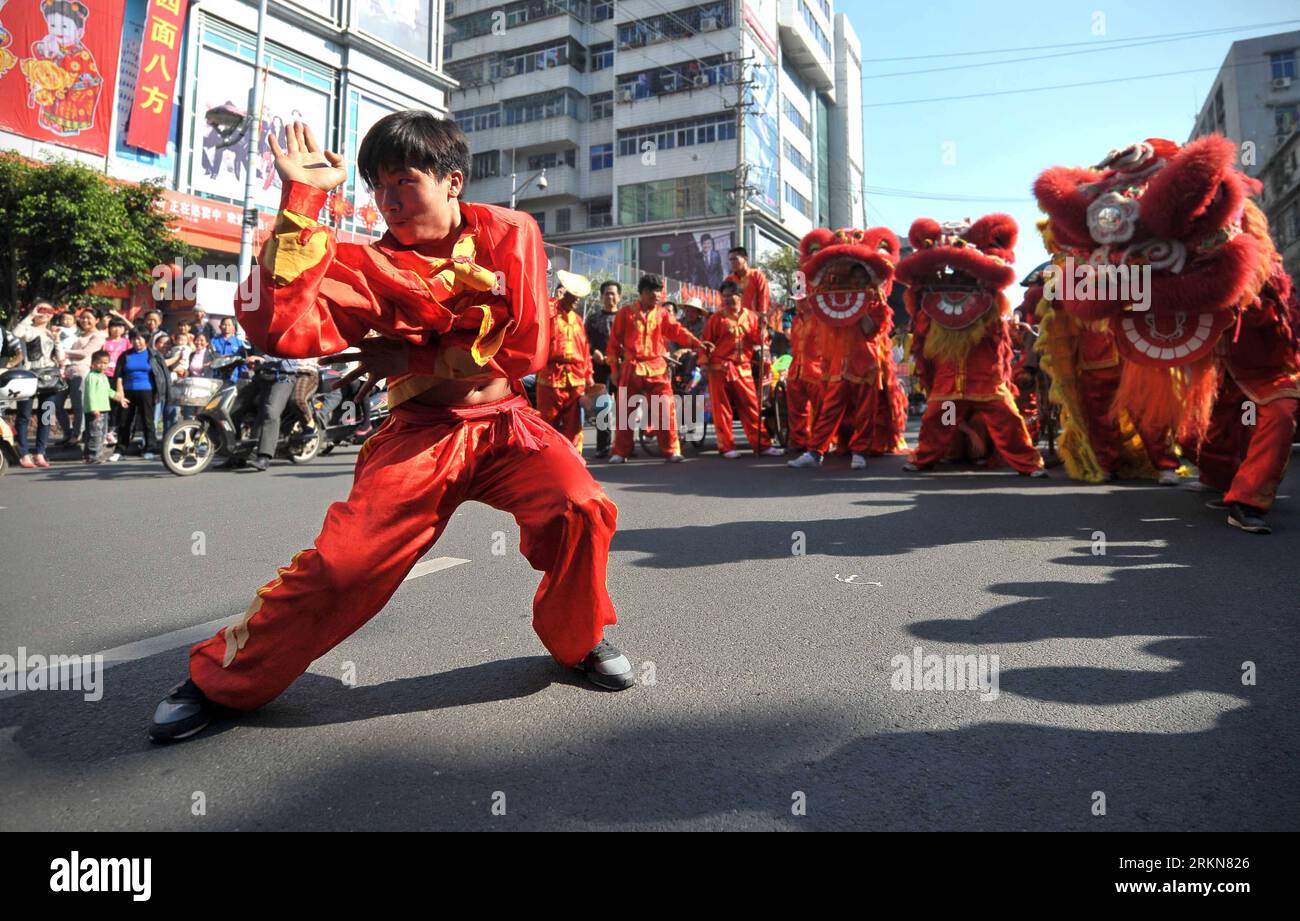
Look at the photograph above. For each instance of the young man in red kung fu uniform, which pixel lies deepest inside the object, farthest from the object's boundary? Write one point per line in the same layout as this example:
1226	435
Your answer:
734	333
457	295
638	341
568	371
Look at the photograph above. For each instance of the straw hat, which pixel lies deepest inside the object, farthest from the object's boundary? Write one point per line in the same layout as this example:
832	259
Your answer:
577	285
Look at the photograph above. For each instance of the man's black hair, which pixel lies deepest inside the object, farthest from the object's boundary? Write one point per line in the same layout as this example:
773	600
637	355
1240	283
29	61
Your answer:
413	140
739	251
649	283
728	287
609	283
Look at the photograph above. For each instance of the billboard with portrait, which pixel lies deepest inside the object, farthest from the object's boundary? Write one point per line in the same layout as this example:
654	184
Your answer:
697	258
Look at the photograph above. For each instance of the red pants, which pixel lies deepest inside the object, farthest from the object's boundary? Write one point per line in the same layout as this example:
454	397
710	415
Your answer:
801	400
658	408
1006	429
1097	394
847	402
560	408
410	477
1247	462
736	397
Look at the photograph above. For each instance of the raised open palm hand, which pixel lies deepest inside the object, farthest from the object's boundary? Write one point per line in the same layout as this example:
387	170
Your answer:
303	160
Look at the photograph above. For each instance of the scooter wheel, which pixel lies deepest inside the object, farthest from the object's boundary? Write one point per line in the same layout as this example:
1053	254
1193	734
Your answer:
187	448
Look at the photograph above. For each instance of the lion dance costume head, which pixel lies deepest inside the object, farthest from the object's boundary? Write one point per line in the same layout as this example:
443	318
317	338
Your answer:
955	277
1182	217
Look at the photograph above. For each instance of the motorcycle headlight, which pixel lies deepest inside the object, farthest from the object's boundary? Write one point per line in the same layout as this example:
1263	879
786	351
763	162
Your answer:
213	403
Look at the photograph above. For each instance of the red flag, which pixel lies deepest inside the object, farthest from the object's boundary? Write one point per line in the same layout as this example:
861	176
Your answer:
155	91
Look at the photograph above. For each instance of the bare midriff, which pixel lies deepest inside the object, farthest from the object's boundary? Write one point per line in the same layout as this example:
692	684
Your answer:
464	392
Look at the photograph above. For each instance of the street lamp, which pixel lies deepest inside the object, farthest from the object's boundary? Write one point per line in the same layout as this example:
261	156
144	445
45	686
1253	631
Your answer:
231	133
515	188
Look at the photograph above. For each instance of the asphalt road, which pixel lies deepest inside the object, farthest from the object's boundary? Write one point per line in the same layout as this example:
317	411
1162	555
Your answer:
768	674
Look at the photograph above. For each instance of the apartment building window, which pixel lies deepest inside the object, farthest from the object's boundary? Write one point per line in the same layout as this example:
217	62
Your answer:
486	164
602	156
473	25
561	220
1286	119
542	105
540	218
600	213
479	119
801	163
665	136
552	159
708	195
796	117
601	105
797	201
602	56
1282	64
709	17
602	10
811	22
661	81
799	82
530	60
1220	115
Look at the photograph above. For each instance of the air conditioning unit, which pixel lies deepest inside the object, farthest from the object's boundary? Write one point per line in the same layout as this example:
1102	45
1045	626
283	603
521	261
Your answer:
1281	83
709	24
701	80
627	94
509	69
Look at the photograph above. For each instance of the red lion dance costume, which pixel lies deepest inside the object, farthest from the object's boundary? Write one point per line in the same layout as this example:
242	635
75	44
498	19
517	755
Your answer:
1219	328
961	344
849	274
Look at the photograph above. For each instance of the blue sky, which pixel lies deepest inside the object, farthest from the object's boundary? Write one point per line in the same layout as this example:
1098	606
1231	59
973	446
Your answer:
995	146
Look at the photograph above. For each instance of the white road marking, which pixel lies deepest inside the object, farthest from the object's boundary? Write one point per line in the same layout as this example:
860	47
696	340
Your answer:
188	636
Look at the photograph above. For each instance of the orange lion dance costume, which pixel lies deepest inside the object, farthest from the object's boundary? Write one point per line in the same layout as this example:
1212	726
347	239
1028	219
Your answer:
961	345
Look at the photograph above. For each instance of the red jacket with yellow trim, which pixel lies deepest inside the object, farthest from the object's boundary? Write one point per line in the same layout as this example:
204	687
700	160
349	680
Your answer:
481	313
734	340
639	338
1262	353
569	361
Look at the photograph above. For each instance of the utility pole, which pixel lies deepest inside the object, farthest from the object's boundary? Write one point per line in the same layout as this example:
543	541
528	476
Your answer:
254	139
742	83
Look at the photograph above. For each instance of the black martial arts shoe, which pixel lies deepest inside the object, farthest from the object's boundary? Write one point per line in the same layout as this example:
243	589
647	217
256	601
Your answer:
1244	517
184	712
260	463
607	667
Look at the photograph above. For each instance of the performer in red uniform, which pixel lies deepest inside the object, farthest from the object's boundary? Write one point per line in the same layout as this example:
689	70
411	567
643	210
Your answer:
456	292
568	372
734	332
755	294
849	274
638	341
803	380
1253	422
955	276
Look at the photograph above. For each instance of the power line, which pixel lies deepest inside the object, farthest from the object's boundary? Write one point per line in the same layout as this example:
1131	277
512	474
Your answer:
1044	57
1058	86
958	54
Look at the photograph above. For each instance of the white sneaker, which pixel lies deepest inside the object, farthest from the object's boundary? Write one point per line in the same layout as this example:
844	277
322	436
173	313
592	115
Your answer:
114	458
617	459
731	455
772	451
676	459
1170	478
1039	474
806	459
859	462
149	455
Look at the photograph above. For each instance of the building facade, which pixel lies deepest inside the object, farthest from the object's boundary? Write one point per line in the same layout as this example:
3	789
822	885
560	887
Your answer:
631	108
1281	200
338	65
1255	98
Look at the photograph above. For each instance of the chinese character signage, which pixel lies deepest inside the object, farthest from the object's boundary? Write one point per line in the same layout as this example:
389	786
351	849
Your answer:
155	89
58	68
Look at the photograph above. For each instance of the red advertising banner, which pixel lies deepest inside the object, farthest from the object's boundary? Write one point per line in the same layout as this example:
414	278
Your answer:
160	57
58	70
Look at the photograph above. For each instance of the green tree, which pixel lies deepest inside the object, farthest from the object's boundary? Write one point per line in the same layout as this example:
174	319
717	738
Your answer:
781	267
65	227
